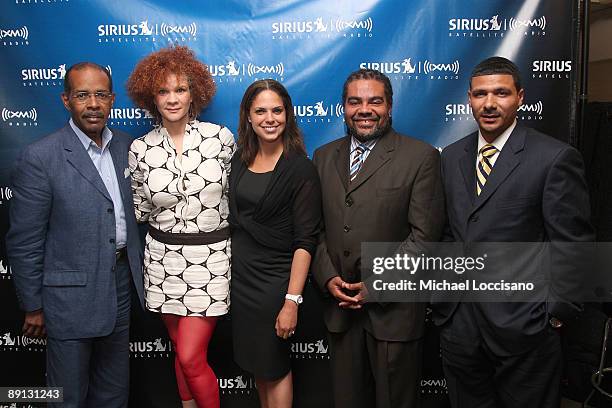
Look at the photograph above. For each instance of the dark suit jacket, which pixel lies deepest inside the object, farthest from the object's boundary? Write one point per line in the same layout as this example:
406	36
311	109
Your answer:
396	196
535	193
61	240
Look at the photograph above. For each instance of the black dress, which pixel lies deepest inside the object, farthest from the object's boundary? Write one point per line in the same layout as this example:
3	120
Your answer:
271	214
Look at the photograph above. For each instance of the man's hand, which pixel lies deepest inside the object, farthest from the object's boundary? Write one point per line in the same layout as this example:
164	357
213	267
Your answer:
34	324
340	289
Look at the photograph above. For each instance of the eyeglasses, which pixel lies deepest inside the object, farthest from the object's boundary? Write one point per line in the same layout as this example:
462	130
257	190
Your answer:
100	96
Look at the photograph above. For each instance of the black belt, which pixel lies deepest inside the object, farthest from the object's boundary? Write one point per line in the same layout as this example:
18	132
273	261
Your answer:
198	238
120	253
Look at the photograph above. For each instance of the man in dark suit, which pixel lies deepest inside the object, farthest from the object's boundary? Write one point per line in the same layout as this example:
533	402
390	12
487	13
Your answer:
510	183
378	186
74	248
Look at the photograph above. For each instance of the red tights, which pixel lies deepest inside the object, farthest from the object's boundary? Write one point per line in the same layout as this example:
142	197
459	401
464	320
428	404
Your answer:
190	337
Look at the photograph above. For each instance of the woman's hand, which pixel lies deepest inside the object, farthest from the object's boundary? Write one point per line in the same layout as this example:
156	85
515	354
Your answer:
286	321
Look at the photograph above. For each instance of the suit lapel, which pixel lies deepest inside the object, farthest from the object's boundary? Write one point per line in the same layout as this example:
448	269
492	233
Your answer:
377	157
468	166
119	156
508	160
79	159
342	161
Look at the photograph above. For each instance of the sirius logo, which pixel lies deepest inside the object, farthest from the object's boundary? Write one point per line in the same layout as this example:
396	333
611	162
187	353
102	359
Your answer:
14	36
329	27
151	349
495	26
319	112
241	384
130	117
5	270
316	350
20	117
551	69
457	112
286	27
144	32
232	70
51	76
410	69
475	24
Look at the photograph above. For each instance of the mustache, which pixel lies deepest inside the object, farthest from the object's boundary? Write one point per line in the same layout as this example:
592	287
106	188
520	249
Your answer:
359	116
94	115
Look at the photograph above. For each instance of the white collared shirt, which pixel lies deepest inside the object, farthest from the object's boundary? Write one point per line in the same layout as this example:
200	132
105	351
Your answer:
499	143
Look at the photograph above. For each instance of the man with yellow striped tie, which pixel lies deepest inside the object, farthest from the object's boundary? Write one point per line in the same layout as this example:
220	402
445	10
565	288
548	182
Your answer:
508	183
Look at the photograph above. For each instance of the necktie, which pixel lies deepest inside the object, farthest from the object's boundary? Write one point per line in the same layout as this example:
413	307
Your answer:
484	166
356	161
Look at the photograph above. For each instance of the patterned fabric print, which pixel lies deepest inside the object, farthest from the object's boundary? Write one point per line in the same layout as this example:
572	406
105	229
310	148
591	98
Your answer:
186	194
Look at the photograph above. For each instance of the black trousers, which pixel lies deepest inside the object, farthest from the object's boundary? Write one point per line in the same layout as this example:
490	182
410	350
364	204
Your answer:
369	373
477	378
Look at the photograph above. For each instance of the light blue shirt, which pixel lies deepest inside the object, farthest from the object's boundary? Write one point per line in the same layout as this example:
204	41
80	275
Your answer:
102	159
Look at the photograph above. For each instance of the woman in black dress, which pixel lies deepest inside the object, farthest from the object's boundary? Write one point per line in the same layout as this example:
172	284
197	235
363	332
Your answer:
275	212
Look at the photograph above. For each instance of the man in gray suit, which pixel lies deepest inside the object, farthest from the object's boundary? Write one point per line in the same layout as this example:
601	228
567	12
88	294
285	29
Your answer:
74	248
378	186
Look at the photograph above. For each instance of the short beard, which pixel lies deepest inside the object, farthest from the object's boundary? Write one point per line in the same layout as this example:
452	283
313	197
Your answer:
366	138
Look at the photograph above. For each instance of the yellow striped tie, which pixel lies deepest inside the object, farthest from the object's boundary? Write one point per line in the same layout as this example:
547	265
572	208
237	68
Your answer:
484	166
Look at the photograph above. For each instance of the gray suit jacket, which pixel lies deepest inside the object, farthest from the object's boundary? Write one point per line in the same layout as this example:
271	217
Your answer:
61	239
397	196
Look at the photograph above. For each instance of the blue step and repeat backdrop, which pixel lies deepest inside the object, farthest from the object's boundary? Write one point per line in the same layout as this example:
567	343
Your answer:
426	47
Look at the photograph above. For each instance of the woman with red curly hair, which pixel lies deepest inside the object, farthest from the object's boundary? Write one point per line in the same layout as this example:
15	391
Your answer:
179	180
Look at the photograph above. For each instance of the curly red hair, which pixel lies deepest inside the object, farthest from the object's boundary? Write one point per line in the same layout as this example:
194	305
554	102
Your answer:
151	72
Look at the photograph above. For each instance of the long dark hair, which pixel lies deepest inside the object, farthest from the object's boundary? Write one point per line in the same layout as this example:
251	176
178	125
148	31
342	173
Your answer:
293	143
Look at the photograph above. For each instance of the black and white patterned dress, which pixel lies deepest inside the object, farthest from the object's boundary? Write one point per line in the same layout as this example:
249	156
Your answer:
186	194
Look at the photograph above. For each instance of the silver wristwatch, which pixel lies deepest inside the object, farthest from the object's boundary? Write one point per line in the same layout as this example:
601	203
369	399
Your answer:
298	299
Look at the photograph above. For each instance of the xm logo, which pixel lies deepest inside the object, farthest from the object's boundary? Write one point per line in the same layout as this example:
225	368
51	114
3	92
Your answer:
241	384
305	29
144	31
551	69
12	342
5	194
314	350
319	112
411	69
14	36
434	386
516	24
151	349
531	111
235	72
20	118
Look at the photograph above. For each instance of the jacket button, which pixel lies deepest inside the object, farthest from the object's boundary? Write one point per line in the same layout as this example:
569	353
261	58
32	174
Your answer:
346	253
110	210
347	228
474	218
112	240
349	202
